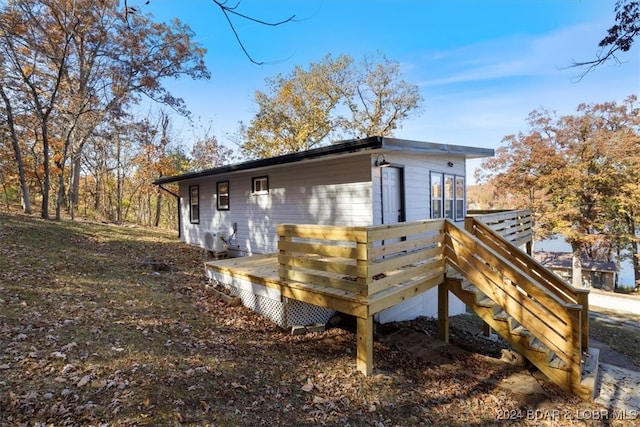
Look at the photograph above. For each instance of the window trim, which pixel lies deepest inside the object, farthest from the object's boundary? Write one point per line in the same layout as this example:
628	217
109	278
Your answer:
433	199
256	179
463	199
442	200
194	214
449	196
220	195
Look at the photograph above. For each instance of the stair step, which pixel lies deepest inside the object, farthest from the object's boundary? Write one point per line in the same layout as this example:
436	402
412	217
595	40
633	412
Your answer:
469	287
590	362
485	301
556	362
590	370
521	330
531	347
537	345
501	315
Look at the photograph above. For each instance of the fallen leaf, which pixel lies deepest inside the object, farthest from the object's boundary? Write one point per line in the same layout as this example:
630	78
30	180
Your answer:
84	381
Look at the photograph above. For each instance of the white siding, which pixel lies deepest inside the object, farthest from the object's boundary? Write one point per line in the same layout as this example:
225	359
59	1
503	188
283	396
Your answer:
416	182
417	197
425	304
340	191
332	191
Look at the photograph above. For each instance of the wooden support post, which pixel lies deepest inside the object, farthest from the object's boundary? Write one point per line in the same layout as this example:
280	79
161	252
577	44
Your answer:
364	354
468	225
583	300
443	311
362	261
486	329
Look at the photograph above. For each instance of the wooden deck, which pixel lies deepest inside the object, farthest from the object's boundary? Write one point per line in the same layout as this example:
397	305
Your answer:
355	270
264	270
364	270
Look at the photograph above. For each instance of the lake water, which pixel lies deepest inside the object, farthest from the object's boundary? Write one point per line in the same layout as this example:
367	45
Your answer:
558	244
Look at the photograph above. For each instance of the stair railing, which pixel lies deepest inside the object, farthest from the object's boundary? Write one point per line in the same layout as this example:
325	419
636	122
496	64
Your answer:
552	320
544	277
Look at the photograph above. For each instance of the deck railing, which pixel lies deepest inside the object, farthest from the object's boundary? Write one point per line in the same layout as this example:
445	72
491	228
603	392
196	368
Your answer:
362	260
515	226
376	267
555	322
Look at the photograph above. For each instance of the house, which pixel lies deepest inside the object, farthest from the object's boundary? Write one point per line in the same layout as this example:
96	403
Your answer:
370	181
596	274
374	228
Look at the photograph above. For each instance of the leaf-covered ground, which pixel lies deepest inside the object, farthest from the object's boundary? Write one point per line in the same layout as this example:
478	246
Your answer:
91	334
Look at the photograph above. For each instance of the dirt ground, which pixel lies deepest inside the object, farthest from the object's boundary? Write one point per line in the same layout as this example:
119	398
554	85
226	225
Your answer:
466	333
92	335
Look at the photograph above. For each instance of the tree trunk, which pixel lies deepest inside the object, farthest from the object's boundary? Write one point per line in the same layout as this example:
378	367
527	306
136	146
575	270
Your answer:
119	180
74	189
26	202
158	207
617	275
576	265
60	198
46	183
98	194
636	264
4	189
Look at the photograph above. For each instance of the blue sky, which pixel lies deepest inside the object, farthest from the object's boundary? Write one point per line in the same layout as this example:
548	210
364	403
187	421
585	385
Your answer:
482	66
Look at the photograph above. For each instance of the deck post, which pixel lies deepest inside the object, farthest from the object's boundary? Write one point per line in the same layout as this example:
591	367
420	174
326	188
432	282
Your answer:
364	353
443	311
583	300
486	329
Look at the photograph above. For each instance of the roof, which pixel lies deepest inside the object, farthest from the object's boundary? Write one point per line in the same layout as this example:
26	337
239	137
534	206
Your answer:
340	148
564	260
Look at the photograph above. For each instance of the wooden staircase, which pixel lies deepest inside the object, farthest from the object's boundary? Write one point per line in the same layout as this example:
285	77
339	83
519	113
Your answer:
544	318
365	270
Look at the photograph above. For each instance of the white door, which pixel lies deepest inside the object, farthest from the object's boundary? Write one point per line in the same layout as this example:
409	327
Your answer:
392	209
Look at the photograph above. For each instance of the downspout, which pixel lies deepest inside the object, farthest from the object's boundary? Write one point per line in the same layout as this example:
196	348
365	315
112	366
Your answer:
178	203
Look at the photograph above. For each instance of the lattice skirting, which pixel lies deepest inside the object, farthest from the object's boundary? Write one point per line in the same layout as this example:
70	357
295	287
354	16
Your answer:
284	312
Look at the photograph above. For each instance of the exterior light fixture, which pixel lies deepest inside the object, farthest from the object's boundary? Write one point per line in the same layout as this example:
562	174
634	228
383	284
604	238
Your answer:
450	164
383	163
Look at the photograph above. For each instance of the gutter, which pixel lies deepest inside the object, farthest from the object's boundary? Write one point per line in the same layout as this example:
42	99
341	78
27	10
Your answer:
178	204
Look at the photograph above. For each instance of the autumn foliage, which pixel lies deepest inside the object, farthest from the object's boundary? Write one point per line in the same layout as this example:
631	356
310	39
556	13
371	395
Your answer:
70	73
580	176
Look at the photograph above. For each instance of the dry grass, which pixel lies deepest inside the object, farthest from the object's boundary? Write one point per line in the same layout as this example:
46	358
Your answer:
89	336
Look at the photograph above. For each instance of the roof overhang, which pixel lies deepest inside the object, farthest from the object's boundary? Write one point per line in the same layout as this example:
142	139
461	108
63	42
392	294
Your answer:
342	148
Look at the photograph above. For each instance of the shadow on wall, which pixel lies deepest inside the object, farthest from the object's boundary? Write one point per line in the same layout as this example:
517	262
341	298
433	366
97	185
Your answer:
345	205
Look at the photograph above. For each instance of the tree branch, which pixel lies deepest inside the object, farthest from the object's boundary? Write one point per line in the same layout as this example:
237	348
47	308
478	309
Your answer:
619	38
231	10
226	11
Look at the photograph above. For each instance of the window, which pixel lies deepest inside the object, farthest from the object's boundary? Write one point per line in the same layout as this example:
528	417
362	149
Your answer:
222	196
260	185
447	196
436	195
459	198
194	204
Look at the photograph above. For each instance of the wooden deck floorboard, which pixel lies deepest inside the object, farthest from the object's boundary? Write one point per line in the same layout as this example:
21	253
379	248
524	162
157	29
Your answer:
263	270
